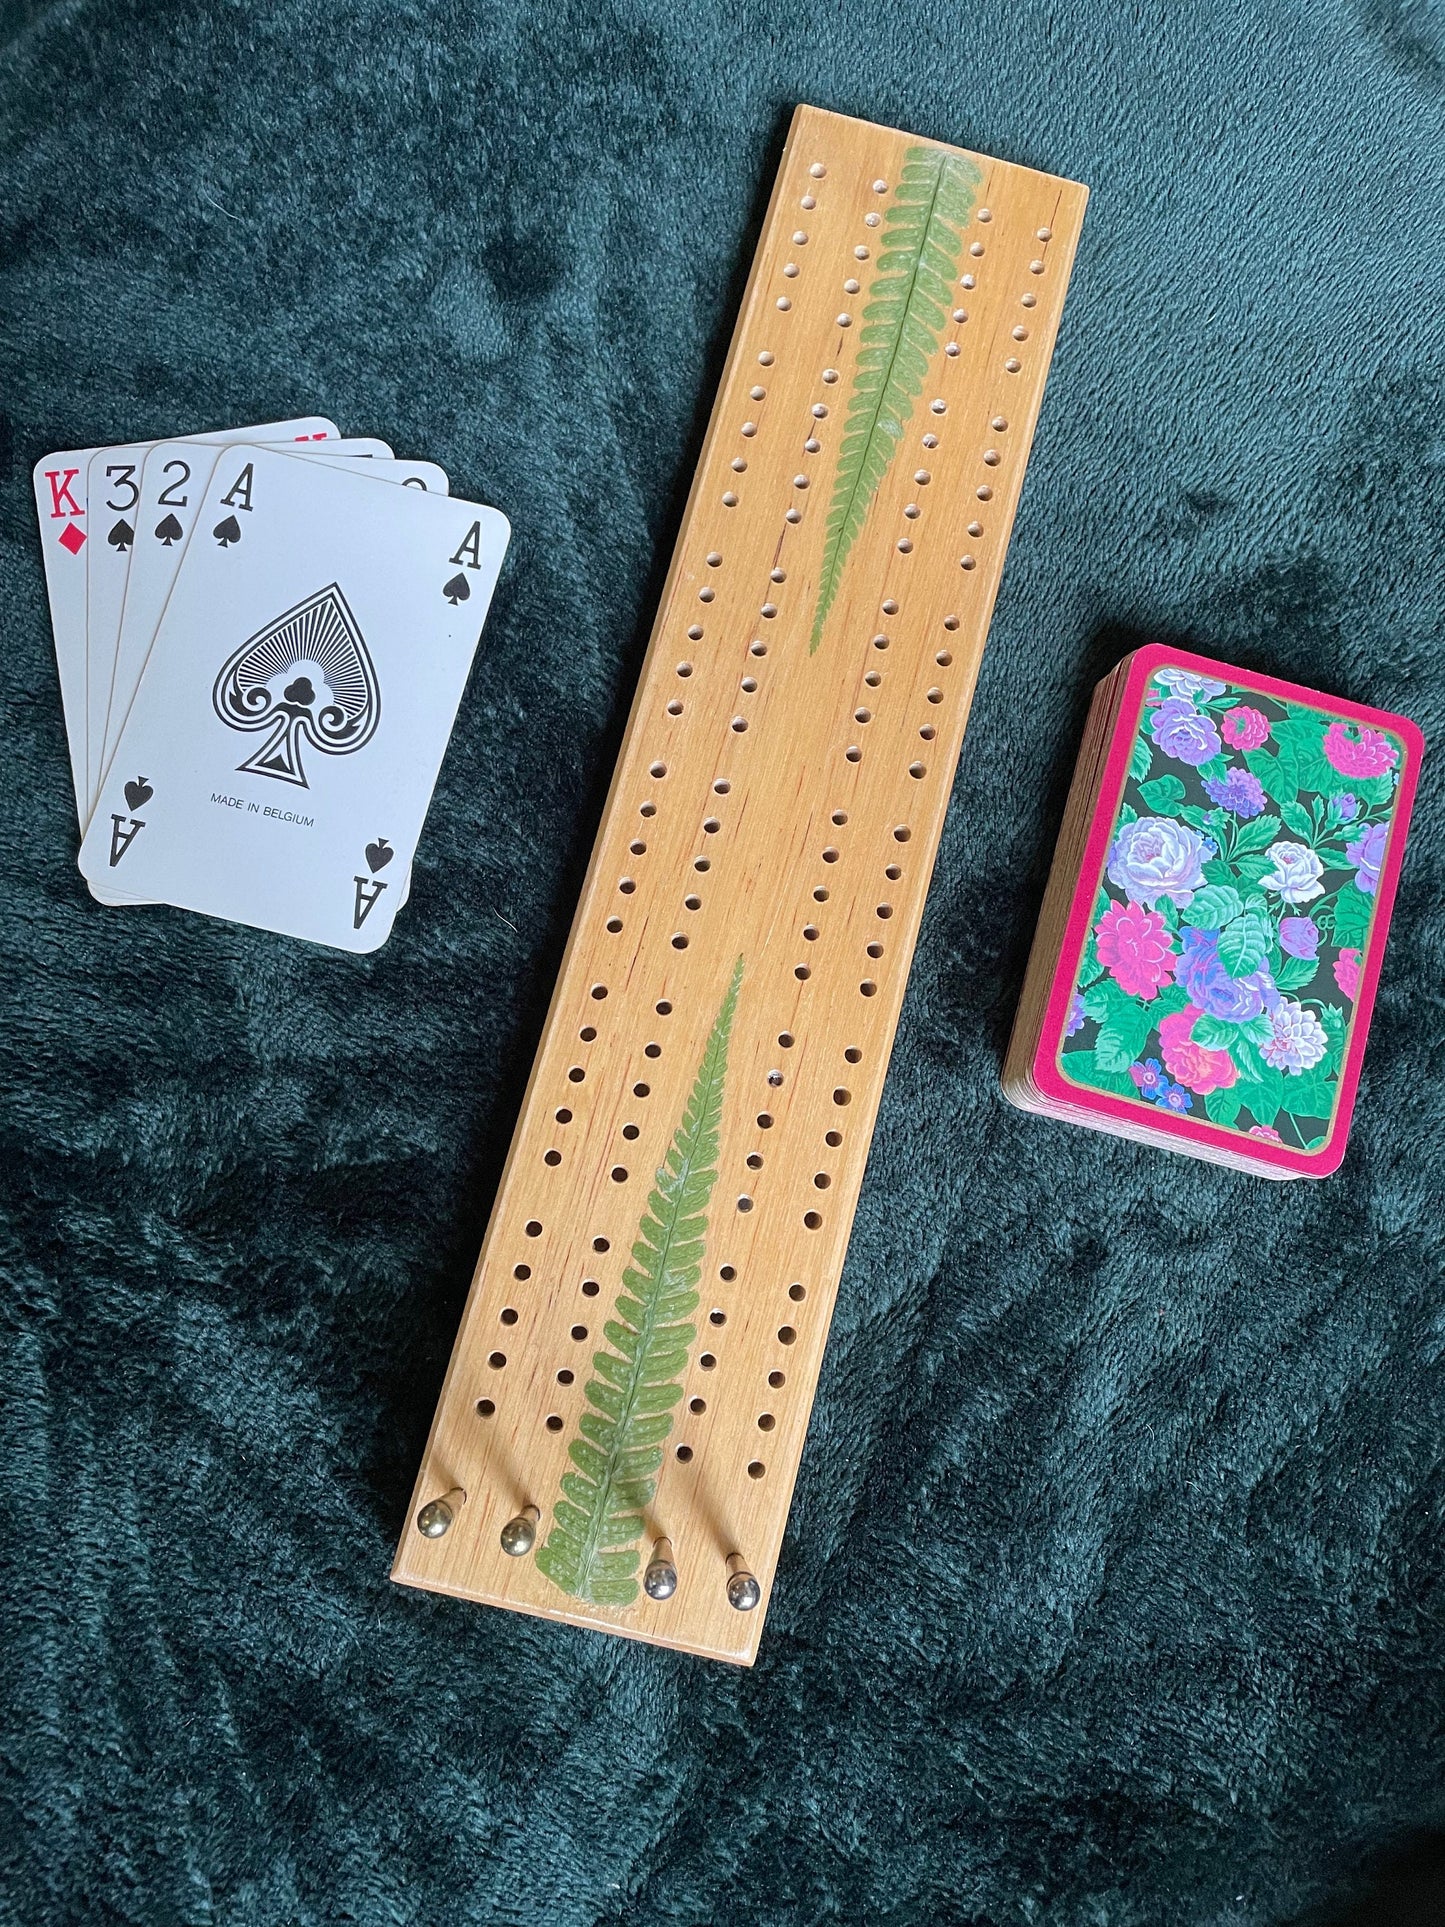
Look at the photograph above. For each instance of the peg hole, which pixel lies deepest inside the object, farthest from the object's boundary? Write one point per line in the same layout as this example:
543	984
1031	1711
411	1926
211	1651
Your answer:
745	1203
777	1380
684	1454
766	1421
756	1469
813	1220
508	1314
485	1408
842	1096
619	1174
765	1122
552	1157
497	1360
590	1287
564	1377
534	1228
564	1116
554	1422
579	1332
521	1271
707	1361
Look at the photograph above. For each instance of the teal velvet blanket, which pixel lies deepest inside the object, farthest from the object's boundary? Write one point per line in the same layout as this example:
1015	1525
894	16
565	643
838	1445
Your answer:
1113	1591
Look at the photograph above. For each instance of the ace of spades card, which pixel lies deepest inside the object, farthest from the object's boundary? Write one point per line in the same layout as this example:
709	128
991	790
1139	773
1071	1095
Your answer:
287	732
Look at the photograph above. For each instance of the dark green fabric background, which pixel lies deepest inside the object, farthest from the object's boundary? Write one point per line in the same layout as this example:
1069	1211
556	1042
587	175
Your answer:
1113	1589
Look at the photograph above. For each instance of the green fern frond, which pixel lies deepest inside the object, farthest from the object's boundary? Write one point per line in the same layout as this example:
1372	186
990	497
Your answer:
909	301
618	1455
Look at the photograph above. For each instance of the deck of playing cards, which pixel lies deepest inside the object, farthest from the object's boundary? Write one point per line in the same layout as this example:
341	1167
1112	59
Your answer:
263	636
1211	935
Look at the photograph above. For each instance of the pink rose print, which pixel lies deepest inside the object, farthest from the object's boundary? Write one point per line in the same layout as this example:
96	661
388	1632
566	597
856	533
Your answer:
1193	1065
1267	1132
1136	948
1347	973
1243	727
1354	750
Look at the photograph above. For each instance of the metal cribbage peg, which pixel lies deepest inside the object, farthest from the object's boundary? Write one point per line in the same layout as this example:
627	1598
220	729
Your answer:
519	1535
436	1516
744	1592
660	1579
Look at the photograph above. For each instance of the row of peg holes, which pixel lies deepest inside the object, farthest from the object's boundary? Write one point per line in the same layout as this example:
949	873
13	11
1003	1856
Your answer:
812	1219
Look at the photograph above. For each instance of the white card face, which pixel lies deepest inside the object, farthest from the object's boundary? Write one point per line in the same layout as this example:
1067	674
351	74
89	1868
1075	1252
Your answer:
62	509
124	606
173	486
288	729
115	501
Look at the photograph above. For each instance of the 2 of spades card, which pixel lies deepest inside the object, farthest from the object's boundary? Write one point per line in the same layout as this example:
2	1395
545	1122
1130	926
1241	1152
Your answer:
288	729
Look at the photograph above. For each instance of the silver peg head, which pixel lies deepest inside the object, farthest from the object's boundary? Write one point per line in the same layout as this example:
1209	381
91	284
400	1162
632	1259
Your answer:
434	1519
660	1579
744	1592
519	1535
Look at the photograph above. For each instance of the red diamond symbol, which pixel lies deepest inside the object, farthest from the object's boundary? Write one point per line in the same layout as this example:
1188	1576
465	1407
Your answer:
72	537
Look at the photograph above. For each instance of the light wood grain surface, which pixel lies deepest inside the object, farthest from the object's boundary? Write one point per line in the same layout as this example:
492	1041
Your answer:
776	803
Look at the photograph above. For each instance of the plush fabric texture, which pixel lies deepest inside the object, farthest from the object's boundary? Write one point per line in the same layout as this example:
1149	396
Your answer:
1113	1590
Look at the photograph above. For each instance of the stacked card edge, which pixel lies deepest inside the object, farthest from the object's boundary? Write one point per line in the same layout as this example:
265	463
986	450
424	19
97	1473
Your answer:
1031	1078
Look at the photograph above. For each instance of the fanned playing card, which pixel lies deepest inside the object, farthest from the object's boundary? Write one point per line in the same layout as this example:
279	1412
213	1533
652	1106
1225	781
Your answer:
292	715
1212	933
63	508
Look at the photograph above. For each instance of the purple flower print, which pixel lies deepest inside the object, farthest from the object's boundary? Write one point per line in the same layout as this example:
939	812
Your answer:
1211	988
1300	937
1238	791
1155	857
1175	1099
1367	853
1183	733
1345	807
1149	1077
1184	682
1077	1015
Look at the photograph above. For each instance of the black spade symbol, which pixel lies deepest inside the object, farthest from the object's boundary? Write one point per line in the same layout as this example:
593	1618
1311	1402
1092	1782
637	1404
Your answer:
137	793
378	855
227	532
457	590
169	530
121	536
304	678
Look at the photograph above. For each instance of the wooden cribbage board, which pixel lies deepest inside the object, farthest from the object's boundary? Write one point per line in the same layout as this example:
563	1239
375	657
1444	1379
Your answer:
775	803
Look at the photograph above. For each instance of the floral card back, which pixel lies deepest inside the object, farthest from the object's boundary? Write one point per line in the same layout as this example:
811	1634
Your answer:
1224	940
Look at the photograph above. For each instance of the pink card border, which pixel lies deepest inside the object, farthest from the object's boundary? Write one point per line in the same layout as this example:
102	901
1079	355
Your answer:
1046	1074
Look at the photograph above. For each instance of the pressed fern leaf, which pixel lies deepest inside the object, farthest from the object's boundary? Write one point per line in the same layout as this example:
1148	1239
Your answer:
908	303
639	1380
